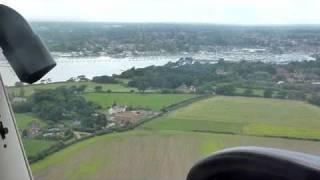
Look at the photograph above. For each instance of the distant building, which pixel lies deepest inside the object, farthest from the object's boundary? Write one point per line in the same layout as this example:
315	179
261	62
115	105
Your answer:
220	72
316	83
110	125
125	118
117	109
19	100
53	130
129	117
54	133
298	76
286	74
46	135
33	129
186	89
254	50
185	61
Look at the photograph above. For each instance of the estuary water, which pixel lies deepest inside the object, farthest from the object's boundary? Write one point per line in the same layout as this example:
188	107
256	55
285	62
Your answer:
68	67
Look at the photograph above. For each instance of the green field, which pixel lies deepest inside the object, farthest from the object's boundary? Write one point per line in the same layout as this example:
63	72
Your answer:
256	92
34	146
90	87
152	101
166	148
240	115
146	155
24	119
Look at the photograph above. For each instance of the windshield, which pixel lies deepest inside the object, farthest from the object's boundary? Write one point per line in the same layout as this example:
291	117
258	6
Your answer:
144	89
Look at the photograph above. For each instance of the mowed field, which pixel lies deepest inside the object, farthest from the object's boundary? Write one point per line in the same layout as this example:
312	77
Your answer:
147	155
249	116
147	100
166	148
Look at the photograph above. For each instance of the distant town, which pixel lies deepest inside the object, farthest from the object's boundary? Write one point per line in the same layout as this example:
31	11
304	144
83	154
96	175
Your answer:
269	43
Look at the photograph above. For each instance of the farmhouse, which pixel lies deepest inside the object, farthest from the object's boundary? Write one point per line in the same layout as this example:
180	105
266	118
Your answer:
129	117
117	109
186	89
33	129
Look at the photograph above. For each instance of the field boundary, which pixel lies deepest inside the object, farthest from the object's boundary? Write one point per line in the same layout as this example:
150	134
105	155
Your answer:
253	135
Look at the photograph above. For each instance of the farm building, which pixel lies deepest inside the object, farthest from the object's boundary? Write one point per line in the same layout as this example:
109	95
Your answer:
33	129
117	109
130	117
186	89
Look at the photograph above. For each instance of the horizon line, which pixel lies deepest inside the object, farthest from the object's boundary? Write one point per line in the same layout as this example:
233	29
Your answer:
168	22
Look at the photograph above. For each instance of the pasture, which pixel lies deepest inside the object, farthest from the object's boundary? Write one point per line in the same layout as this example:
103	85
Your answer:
29	89
147	154
148	100
23	119
33	146
241	115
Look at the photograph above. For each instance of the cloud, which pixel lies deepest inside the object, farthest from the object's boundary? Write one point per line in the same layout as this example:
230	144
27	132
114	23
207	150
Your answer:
205	11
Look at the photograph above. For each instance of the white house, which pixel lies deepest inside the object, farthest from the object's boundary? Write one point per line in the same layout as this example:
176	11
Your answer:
116	109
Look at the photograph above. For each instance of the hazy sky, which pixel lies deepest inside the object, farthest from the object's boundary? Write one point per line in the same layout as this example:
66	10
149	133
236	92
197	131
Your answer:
203	11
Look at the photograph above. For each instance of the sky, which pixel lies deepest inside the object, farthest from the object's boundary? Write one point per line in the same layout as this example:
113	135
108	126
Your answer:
246	12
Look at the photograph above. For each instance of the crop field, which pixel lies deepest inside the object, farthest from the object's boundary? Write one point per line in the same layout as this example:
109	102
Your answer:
152	101
240	115
34	146
29	89
166	148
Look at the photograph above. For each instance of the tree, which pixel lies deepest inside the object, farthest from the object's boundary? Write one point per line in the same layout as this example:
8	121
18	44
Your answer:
142	86
227	90
98	88
104	79
82	78
24	133
72	79
296	95
248	92
22	107
205	89
282	95
260	76
82	88
315	99
268	93
21	92
61	104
